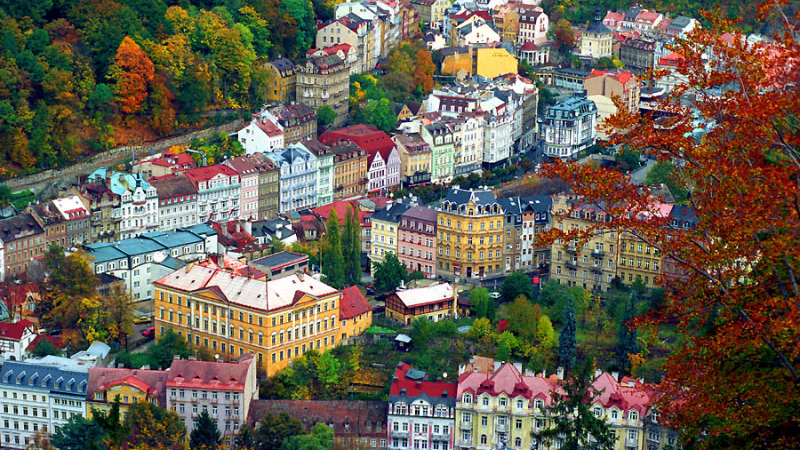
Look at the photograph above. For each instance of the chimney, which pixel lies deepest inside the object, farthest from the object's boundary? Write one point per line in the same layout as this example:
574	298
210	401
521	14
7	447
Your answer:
544	373
615	375
597	373
560	372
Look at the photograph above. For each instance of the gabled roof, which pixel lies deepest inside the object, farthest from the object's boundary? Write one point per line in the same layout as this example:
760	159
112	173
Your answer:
414	107
353	303
623	76
15	331
153	382
269	128
424	295
462	197
507	380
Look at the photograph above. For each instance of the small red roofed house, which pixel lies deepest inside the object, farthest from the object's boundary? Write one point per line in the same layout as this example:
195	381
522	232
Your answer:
171	162
130	385
355	313
15	339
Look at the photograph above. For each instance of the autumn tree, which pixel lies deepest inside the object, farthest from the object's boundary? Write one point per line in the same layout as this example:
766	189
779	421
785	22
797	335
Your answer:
132	72
119	309
522	318
154	427
564	36
733	379
424	70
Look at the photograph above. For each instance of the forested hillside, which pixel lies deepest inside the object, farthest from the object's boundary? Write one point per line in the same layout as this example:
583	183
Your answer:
79	76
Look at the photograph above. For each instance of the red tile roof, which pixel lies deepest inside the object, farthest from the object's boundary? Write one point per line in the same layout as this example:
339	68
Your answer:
15	331
345	48
529	47
208	172
350	418
508	380
269	128
153	382
353	303
208	375
16	295
416	387
621	76
368	137
673	59
340	206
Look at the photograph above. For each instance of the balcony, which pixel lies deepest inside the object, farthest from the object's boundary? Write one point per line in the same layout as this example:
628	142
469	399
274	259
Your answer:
440	437
598	253
572	249
501	428
597	269
465	425
399	434
571	263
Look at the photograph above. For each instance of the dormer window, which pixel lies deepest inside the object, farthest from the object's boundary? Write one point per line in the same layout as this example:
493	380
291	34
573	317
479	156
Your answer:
98	395
538	403
466	398
633	415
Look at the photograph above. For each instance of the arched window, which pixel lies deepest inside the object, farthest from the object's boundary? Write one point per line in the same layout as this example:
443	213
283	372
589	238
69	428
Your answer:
633	415
466	398
483	439
520	404
517	442
538	403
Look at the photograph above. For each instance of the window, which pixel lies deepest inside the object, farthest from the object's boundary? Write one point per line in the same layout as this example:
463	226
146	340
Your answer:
467	399
633	415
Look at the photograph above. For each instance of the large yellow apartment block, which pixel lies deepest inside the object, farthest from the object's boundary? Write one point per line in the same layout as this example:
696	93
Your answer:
470	237
232	314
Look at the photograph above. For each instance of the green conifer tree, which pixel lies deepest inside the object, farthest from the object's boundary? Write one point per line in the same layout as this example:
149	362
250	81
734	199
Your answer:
205	435
351	248
627	343
332	259
567	341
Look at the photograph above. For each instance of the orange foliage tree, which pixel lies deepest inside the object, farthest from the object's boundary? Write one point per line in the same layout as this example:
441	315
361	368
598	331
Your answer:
132	72
733	381
424	70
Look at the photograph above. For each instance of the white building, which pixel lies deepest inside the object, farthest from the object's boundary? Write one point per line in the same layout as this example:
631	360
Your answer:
177	202
15	339
569	127
138	208
43	394
140	261
470	141
224	390
218	193
498	134
421	413
263	134
298	177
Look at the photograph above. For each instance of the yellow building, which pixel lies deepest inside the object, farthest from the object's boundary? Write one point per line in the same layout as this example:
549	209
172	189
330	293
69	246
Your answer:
283	81
349	170
591	266
506	20
456	59
356	313
470	237
508	407
637	259
415	158
230	314
493	62
130	385
385	223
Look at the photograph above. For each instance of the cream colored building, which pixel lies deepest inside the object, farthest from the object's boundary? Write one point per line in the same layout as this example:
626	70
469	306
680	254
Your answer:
597	39
592	265
493	62
325	80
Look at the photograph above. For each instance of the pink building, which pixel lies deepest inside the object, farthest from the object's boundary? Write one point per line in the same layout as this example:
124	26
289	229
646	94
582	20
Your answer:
416	236
248	193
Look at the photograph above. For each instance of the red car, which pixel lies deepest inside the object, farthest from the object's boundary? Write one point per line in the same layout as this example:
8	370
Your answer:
148	332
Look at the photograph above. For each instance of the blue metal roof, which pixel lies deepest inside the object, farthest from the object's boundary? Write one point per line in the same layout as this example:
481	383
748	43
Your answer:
44	374
175	238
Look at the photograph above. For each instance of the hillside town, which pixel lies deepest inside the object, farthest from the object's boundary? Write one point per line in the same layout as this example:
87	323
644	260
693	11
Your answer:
404	247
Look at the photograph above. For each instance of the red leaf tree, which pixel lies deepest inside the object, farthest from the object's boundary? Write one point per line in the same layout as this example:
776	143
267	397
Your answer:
734	380
132	72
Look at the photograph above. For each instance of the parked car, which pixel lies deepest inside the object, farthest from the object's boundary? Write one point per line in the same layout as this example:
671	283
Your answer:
54	332
149	332
142	319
